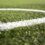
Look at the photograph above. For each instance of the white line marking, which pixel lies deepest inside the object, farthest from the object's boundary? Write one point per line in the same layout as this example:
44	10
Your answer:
20	9
11	25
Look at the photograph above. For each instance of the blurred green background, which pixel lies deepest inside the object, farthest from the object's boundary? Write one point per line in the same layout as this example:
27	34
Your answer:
36	4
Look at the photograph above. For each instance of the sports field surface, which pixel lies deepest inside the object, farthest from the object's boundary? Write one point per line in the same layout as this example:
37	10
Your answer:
36	4
23	34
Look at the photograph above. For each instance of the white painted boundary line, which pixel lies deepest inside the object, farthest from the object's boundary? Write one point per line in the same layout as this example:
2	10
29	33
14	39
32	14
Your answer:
20	9
11	25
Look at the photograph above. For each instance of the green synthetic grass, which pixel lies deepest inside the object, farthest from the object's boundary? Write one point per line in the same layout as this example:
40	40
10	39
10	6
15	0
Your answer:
20	2
37	4
34	35
9	16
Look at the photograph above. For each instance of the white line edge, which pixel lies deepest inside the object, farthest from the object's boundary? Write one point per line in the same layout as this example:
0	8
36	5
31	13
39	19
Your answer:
11	25
21	9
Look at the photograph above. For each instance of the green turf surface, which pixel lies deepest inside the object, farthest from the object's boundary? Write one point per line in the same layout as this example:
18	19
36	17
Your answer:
36	4
34	35
9	16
